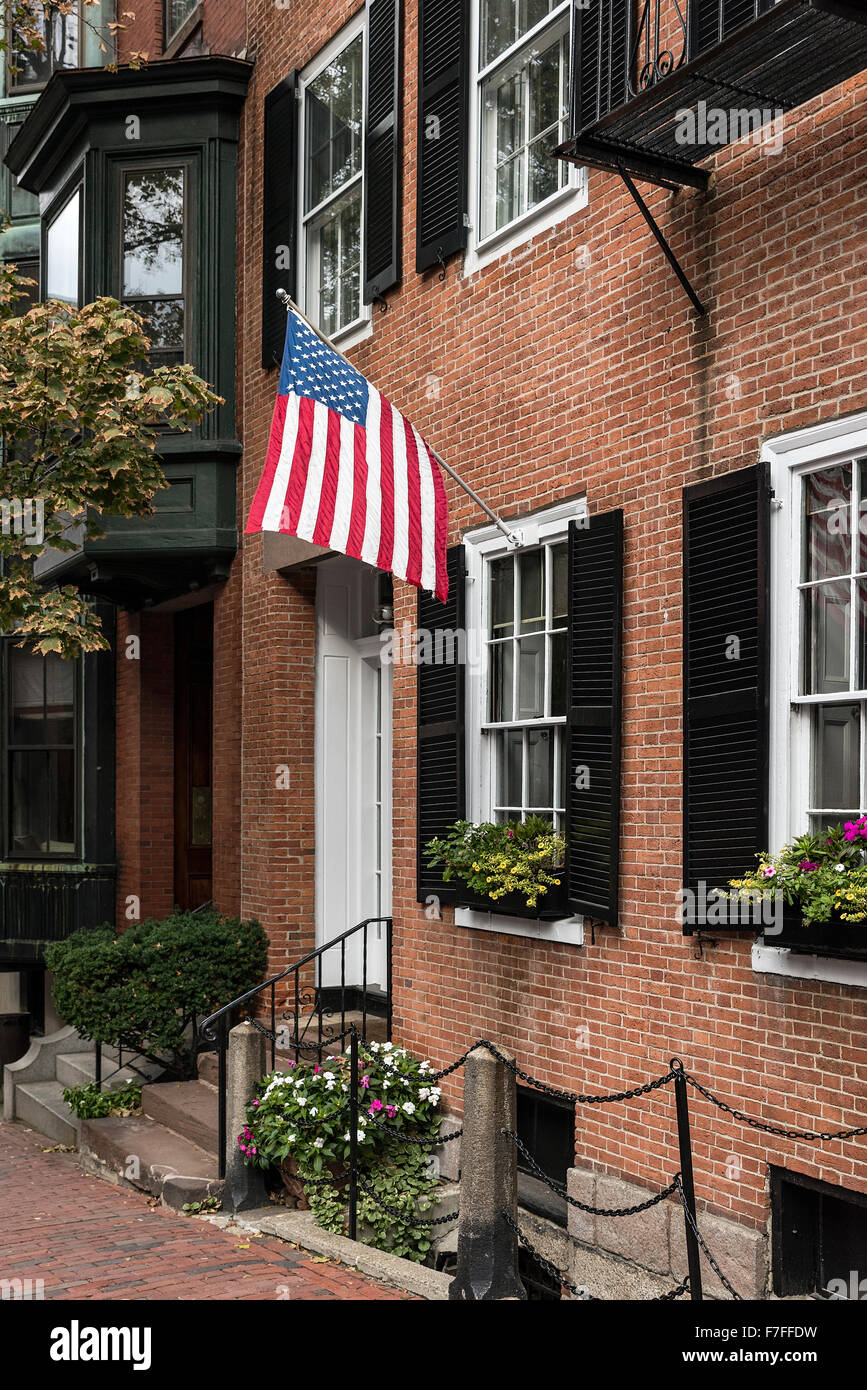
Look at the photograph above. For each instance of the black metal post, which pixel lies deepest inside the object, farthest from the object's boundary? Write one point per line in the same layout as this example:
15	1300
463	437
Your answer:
221	1099
683	1138
388	931
98	1063
353	1133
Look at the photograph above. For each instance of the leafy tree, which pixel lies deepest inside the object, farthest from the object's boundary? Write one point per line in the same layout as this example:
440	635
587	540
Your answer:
78	410
34	31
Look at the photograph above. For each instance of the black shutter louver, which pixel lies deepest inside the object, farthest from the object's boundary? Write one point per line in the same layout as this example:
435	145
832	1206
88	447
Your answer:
594	714
714	20
600	59
279	213
382	148
441	212
441	774
726	659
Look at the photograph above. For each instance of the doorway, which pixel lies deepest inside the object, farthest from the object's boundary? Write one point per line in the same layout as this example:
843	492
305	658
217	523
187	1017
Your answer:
194	688
353	768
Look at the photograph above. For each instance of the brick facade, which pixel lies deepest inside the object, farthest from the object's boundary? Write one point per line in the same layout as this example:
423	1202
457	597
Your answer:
574	363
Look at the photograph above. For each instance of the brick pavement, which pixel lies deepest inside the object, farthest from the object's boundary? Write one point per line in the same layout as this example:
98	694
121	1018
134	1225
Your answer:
87	1239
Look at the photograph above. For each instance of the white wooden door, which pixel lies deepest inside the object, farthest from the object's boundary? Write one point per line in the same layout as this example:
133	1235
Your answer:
353	770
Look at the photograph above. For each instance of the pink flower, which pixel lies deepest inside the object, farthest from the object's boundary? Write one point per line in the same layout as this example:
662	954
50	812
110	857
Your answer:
374	1106
365	1081
807	866
391	1111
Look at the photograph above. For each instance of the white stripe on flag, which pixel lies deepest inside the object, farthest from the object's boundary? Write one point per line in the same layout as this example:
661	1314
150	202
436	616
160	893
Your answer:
273	514
373	518
400	550
315	473
426	466
345	486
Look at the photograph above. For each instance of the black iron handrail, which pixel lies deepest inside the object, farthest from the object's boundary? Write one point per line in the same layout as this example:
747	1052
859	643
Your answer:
297	1039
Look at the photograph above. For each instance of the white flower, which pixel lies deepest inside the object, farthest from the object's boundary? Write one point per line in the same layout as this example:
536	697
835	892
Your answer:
386	1047
361	1136
302	1100
290	1138
318	1143
424	1093
345	1087
328	1076
408	1107
346	1136
386	1082
840	868
374	1046
313	1110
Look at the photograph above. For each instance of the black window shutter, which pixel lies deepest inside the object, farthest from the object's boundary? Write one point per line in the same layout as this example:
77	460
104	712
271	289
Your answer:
279	213
595	697
441	719
725	678
383	163
443	136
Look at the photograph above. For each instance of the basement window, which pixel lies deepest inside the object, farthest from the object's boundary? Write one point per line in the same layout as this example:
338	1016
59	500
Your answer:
819	1235
546	1127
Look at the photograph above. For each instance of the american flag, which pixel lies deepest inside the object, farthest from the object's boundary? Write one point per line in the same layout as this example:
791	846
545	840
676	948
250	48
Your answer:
345	470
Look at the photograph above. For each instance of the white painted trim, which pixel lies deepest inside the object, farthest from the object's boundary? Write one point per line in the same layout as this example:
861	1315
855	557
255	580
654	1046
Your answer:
568	929
562	204
776	960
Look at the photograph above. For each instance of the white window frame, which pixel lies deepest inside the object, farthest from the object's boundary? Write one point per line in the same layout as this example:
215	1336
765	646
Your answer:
789	457
362	327
481	547
481	250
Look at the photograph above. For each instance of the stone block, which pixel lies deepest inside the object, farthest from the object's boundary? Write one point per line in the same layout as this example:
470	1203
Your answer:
644	1238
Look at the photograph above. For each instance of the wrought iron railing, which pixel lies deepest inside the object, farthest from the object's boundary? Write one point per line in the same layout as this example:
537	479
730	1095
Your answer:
311	1016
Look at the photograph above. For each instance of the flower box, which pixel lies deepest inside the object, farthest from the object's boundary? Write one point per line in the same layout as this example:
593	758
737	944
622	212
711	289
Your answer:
844	940
551	906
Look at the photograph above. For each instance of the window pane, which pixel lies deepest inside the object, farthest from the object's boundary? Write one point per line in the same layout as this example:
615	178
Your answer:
861	560
61	253
502	598
510	116
333	106
153	233
510	180
861	593
334	262
511	765
42	690
827	523
540	770
560	561
531	677
180	10
532	580
59	33
42	802
559	647
501	681
836	756
504	21
826	638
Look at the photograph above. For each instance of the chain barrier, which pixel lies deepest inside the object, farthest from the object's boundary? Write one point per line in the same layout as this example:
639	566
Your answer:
555	1091
700	1238
809	1135
546	1265
410	1138
402	1215
560	1190
683	1287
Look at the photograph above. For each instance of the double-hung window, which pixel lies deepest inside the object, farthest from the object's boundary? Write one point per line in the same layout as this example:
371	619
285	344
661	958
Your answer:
41	754
59	37
154	269
523	106
332	176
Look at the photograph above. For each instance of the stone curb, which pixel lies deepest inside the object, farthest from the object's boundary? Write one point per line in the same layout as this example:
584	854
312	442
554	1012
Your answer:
299	1228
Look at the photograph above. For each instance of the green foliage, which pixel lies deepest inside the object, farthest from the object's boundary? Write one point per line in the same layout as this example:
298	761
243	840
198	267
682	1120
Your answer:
823	875
141	988
90	1102
206	1204
78	412
304	1114
513	857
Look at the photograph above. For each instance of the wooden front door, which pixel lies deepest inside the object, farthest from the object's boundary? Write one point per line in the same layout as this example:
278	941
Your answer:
194	684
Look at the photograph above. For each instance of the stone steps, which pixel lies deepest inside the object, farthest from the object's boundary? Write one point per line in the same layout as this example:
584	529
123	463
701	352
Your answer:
79	1068
40	1105
186	1108
145	1154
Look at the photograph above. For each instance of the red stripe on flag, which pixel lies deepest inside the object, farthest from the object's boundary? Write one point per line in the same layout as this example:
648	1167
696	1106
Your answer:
386	483
298	473
272	458
441	505
413	506
328	493
355	539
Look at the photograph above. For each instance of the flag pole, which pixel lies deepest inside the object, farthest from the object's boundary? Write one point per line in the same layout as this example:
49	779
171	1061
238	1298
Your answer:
289	303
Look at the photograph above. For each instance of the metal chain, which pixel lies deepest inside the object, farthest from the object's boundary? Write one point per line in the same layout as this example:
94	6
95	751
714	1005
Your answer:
552	1090
808	1135
682	1287
549	1268
411	1139
402	1215
560	1190
699	1237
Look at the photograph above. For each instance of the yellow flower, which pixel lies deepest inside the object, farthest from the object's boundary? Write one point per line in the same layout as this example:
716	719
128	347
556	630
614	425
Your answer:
476	867
557	881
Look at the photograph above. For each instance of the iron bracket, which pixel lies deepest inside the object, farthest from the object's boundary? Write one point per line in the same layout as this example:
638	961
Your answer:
667	251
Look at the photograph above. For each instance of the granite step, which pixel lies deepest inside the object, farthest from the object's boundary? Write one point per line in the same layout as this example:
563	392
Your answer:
186	1108
40	1105
143	1153
79	1069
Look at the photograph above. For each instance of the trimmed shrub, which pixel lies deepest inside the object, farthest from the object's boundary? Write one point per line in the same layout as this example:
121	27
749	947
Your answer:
140	989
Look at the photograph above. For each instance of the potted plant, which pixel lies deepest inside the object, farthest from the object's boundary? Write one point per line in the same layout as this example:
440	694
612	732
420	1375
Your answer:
821	882
298	1123
514	866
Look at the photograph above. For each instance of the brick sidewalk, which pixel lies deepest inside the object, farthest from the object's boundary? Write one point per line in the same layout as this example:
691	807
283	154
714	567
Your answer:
89	1240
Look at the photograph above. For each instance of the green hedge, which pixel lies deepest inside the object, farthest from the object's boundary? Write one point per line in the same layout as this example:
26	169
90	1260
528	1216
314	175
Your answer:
140	989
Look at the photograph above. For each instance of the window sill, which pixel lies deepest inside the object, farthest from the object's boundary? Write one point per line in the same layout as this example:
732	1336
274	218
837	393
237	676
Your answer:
353	335
539	219
567	929
778	960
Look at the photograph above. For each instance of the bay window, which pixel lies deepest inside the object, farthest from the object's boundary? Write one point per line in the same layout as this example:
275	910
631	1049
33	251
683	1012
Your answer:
331	194
41	754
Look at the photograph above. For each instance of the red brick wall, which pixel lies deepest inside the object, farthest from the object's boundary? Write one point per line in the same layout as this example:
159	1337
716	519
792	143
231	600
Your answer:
145	766
576	363
222	29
